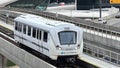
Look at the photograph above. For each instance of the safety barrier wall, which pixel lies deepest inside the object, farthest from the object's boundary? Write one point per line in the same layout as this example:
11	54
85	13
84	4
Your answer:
21	57
102	54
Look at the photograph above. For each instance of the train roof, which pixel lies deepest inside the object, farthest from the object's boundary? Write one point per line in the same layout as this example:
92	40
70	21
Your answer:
43	23
39	20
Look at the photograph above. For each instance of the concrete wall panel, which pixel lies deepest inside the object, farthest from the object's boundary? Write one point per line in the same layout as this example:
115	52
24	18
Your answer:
21	57
102	40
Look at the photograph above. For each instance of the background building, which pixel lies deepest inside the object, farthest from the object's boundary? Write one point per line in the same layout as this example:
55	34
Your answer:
90	4
35	4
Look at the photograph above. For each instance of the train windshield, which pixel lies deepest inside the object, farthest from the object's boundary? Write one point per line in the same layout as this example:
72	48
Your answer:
67	37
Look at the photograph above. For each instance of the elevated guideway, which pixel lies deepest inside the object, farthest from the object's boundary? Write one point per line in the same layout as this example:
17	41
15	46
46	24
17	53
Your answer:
106	38
21	57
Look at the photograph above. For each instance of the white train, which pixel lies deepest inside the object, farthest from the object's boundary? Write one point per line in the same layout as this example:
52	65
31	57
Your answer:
49	37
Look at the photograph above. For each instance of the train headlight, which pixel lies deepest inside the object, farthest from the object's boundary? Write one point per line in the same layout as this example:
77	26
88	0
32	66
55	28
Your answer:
78	46
58	47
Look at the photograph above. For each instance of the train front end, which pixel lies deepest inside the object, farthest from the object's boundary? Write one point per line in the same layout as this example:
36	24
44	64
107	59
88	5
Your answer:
69	43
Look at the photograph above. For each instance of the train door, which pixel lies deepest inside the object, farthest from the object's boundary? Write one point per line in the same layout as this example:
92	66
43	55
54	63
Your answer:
22	32
19	33
45	43
39	37
15	31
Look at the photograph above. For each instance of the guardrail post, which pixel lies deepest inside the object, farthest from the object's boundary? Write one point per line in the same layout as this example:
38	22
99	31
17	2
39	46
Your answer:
7	17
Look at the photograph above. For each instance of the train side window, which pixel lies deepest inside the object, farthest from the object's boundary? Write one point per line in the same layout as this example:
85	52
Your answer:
29	30
39	34
16	26
34	32
20	27
24	29
45	36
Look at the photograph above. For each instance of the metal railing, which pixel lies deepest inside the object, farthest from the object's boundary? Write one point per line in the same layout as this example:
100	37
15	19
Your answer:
102	54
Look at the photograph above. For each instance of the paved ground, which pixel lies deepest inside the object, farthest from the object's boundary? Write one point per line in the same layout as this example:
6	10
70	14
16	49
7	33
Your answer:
14	67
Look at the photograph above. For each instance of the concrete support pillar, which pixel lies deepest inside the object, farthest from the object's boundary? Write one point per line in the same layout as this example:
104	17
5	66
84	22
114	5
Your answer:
3	61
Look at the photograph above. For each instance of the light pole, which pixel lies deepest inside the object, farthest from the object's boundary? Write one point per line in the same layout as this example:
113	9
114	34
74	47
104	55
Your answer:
57	1
7	17
100	8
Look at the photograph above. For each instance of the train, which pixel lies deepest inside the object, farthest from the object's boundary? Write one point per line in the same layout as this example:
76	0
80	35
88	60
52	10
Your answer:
54	39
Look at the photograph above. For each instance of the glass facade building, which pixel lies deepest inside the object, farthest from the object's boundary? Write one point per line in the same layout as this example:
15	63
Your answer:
38	4
34	4
90	4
